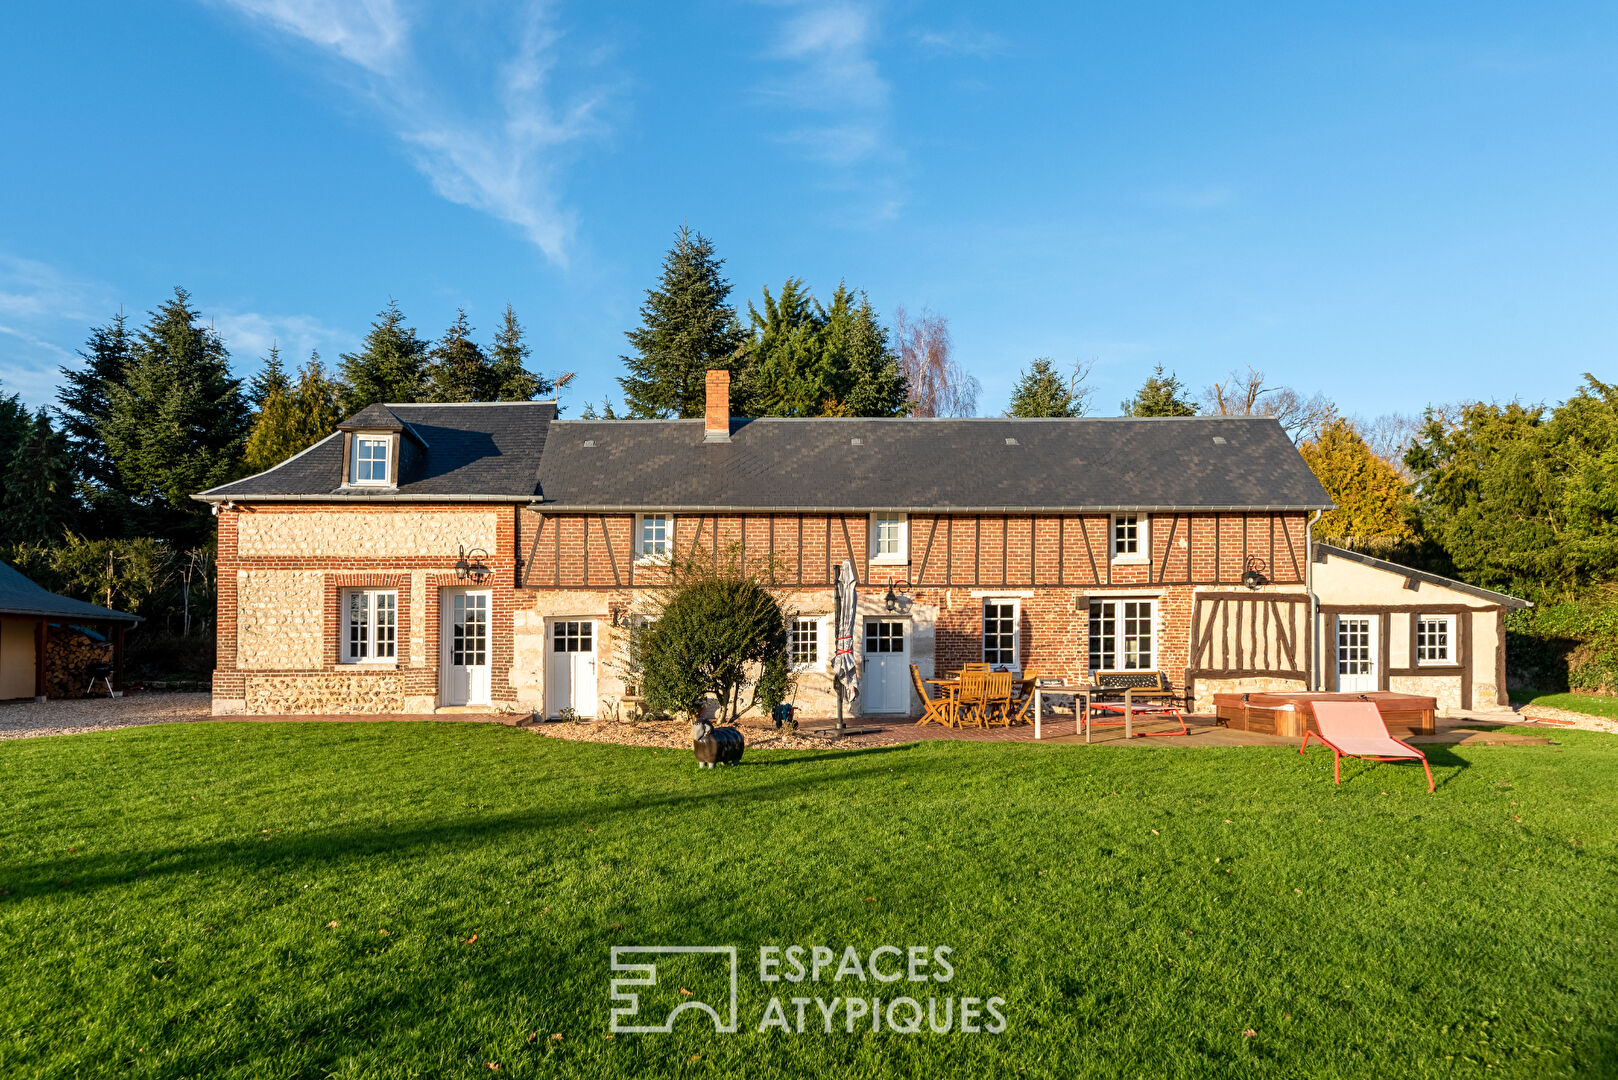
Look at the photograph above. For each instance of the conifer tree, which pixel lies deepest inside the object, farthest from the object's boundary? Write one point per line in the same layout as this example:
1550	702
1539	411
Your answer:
390	366
269	379
460	370
176	423
39	504
1160	395
866	377
84	403
784	364
1040	391
293	417
1371	497
687	327
15	427
509	359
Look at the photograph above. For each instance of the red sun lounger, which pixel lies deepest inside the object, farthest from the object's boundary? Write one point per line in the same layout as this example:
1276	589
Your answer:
1355	729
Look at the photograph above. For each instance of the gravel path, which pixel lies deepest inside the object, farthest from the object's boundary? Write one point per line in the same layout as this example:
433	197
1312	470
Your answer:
1566	718
676	735
26	719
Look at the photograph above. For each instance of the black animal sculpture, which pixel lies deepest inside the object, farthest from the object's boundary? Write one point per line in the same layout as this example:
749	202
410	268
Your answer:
716	745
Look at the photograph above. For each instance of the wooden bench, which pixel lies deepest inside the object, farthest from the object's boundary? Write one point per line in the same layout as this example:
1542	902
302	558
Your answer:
1149	686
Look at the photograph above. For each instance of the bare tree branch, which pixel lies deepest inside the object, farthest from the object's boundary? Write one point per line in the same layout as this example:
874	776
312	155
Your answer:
939	386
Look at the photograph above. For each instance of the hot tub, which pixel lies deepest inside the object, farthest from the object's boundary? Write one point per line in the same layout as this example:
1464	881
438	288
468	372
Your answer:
1288	713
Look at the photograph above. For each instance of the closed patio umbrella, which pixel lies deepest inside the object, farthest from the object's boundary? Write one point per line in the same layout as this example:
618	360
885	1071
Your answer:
845	676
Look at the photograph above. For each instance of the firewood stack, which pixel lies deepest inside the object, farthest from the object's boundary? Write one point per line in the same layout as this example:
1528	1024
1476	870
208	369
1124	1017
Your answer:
68	656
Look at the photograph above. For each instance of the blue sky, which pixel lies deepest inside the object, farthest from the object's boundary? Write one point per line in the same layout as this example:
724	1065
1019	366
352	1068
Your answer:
1390	203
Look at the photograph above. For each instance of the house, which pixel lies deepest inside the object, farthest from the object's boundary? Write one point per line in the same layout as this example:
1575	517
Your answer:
31	617
494	556
1389	627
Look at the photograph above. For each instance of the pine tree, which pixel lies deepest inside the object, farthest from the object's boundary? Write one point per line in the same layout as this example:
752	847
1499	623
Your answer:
686	328
269	379
85	402
293	418
177	422
1040	391
460	370
39	504
867	379
391	365
509	359
784	364
1160	395
15	427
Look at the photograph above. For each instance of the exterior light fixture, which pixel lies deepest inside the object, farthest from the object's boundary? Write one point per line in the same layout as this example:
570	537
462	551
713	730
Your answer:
1253	576
471	565
891	601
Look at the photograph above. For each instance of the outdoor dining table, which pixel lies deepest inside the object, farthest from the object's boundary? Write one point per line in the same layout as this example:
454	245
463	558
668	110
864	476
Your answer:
1081	707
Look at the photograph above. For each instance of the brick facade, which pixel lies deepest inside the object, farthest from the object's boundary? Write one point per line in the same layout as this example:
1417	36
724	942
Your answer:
283	567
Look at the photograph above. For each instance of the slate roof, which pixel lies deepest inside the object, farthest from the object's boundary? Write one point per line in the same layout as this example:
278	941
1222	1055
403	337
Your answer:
520	452
1505	600
483	451
921	465
19	595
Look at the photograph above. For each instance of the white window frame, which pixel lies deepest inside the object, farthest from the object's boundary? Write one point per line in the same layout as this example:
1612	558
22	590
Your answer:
1118	633
1016	632
386	442
1143	539
898	557
372	624
644	556
820	660
1451	641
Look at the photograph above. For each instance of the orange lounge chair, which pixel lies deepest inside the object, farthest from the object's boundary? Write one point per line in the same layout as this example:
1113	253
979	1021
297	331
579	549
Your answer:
1356	729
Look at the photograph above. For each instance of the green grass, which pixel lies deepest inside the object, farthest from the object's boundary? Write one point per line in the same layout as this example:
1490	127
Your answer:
169	891
1589	704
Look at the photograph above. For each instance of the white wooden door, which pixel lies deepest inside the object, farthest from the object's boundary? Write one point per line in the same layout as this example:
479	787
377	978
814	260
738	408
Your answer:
885	687
464	669
1356	653
570	668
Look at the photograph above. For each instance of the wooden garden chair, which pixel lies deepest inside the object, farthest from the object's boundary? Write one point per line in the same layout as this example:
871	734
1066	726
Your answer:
997	690
969	699
939	709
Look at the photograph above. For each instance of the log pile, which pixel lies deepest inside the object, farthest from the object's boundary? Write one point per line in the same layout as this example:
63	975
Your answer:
68	656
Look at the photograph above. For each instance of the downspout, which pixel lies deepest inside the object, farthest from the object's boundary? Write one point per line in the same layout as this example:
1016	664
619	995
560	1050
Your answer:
1312	676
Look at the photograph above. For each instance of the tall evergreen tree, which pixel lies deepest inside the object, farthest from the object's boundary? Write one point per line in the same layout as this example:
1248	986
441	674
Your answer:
85	402
390	366
1370	495
15	427
460	370
268	380
293	417
39	504
1160	395
1040	391
867	379
177	422
509	359
687	327
784	364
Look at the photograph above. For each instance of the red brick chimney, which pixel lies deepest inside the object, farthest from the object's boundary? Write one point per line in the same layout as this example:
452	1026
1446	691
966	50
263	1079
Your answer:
716	426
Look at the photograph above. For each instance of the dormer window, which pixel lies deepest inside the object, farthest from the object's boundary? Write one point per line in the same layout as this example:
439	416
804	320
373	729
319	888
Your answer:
371	459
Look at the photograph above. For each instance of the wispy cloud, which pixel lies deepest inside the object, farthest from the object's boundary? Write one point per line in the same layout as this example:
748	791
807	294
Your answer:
960	40
249	334
40	306
827	73
497	149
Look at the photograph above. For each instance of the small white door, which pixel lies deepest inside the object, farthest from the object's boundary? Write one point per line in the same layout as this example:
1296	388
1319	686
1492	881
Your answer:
886	684
465	646
570	668
1356	653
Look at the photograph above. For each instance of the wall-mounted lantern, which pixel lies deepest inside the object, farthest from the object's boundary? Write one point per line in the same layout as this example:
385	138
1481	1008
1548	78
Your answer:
1253	576
891	601
471	565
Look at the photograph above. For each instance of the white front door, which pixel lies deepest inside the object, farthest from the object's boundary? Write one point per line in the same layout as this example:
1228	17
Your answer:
464	638
1356	653
570	668
886	685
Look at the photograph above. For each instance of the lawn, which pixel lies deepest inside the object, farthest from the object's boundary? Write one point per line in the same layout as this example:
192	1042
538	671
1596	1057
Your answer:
211	899
1589	704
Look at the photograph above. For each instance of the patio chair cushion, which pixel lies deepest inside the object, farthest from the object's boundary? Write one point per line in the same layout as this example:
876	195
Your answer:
1356	728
